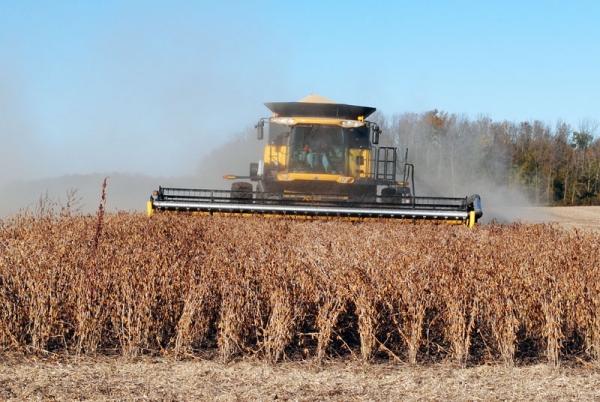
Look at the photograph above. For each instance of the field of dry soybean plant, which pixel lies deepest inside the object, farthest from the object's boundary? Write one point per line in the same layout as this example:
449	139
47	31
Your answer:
279	289
226	290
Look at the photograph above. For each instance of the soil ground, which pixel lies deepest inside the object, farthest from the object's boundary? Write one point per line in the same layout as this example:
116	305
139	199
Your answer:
569	217
115	379
118	379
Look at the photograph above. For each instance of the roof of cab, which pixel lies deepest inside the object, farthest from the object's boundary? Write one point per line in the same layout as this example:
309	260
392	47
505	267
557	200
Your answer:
318	106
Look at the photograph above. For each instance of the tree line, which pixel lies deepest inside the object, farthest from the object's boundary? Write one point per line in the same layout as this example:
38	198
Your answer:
549	165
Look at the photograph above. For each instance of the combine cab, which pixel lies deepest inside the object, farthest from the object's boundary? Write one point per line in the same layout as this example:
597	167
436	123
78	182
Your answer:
322	161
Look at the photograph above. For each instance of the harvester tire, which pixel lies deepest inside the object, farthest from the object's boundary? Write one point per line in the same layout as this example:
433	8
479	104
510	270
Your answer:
388	195
395	195
241	191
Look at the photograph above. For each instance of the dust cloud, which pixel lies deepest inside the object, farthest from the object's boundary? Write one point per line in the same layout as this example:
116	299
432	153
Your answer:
457	157
127	191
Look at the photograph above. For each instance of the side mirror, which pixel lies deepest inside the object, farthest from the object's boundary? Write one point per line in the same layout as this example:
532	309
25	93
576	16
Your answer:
375	131
253	170
260	129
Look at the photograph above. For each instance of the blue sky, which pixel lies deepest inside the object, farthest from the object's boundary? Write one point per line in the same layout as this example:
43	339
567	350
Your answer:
151	86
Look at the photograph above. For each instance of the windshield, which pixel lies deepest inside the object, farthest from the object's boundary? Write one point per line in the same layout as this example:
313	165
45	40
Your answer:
324	149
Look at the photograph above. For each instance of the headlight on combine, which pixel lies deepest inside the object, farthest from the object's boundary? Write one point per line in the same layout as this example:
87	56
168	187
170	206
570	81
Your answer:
288	121
345	180
352	123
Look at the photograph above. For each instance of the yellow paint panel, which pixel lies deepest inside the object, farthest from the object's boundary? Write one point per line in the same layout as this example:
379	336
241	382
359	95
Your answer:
315	177
357	170
149	209
276	155
327	121
321	218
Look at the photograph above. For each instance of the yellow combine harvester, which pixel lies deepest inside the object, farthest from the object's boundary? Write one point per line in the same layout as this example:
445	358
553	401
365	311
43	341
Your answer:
322	161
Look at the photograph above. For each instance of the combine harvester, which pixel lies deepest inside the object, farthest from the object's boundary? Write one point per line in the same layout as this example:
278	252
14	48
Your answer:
322	161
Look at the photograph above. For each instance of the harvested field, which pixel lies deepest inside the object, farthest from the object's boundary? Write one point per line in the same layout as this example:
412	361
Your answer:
587	218
117	379
311	296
